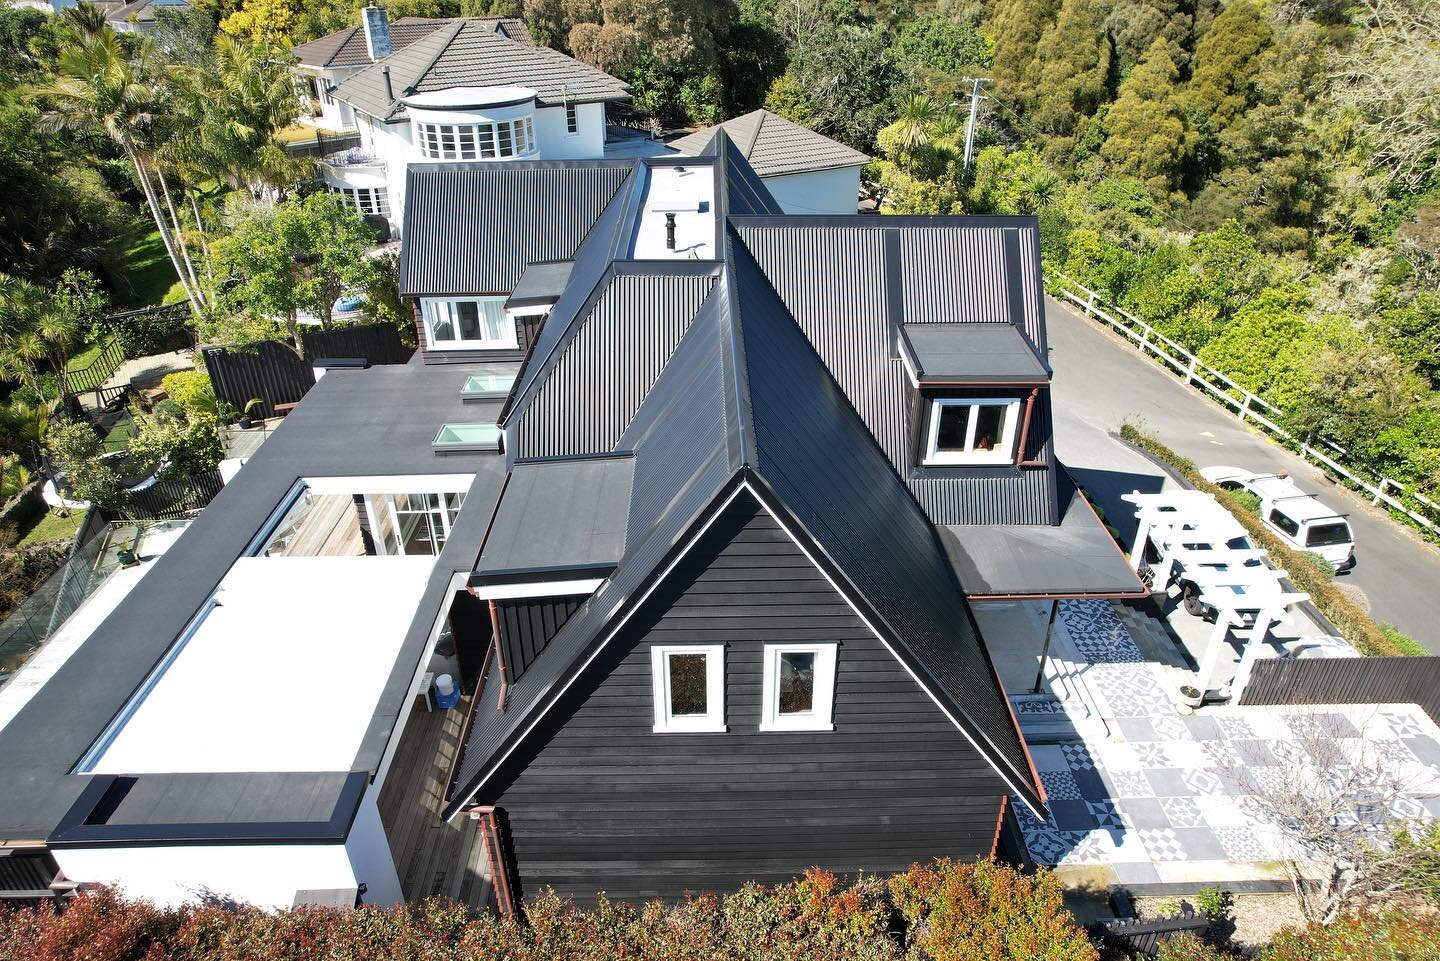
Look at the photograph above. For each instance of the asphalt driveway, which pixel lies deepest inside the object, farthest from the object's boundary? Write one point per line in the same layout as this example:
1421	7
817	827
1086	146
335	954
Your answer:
1100	383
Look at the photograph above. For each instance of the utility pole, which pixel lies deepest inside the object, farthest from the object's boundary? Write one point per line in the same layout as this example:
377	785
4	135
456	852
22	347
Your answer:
975	83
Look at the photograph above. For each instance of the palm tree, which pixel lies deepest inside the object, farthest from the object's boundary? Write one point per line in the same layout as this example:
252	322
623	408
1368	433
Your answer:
99	85
22	345
917	115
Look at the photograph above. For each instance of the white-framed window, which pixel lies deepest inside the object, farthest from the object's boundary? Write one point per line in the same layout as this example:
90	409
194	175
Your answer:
978	430
689	688
412	523
470	322
798	691
572	119
479	141
365	200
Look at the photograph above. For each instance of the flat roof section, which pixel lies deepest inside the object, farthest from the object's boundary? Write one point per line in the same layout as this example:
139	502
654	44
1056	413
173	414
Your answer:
541	283
1076	557
971	353
282	674
558	517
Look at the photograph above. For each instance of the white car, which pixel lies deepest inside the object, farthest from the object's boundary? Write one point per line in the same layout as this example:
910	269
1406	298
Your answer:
1297	518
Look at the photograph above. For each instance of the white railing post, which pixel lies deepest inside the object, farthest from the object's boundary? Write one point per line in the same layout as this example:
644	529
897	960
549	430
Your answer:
1380	491
1245	406
1190	371
1090	305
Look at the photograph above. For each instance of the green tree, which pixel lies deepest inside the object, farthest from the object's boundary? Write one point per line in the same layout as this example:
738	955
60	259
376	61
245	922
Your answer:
1017	27
1145	135
1224	69
271	22
1412	332
178	446
938	50
300	255
1011	182
76	452
1072	63
1269	346
1357	392
101	86
45	326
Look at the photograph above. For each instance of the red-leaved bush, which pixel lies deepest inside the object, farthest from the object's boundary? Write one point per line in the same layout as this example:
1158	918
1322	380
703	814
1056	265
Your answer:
944	911
1384	936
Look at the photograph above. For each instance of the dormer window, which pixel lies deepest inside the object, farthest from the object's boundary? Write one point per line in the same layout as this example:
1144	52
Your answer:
979	430
468	323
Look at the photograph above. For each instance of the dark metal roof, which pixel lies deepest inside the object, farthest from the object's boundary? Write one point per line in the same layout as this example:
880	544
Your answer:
474	228
853	283
567	513
1075	557
347	48
994	353
774	146
363	422
745	400
541	283
470	53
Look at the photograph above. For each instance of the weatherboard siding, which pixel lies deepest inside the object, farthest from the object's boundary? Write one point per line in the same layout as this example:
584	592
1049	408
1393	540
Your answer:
602	803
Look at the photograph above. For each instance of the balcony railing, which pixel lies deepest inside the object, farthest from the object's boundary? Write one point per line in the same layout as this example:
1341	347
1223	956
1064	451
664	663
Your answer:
351	158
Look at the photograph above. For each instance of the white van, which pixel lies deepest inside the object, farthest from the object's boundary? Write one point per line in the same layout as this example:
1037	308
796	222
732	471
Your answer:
1297	518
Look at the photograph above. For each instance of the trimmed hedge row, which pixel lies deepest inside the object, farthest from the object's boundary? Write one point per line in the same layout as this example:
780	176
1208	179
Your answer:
1390	935
938	912
1353	623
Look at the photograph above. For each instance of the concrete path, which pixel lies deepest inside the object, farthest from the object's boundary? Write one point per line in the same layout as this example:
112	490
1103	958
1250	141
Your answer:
1100	383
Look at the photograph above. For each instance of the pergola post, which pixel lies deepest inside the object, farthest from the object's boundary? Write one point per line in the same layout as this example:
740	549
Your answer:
1212	653
1045	651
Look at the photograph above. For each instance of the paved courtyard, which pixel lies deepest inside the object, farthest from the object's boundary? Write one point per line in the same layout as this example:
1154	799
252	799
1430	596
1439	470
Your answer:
1158	797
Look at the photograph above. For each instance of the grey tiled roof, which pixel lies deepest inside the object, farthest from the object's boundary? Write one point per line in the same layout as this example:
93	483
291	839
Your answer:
469	53
346	48
141	10
774	146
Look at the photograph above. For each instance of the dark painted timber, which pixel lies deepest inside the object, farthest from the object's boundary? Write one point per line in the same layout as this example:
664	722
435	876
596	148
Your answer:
596	801
1347	680
526	626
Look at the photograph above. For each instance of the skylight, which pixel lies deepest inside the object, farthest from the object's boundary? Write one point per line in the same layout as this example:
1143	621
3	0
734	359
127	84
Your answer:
466	439
487	386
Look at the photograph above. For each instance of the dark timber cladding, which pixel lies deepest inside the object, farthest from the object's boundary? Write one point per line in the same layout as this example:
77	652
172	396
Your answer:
527	625
599	802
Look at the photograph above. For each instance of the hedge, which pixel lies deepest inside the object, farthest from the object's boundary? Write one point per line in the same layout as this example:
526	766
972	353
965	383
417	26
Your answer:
1353	623
944	911
1389	935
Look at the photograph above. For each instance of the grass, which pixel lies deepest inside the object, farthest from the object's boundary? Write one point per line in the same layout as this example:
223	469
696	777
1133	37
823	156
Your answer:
84	358
148	272
54	526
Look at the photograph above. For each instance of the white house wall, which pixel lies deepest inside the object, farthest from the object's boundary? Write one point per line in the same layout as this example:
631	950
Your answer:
369	854
265	875
557	144
834	191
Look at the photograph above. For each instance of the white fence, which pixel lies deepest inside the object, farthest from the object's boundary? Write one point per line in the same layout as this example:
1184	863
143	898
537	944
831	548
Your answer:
1246	405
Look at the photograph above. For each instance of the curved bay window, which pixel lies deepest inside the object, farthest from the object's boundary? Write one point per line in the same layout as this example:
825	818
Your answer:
485	140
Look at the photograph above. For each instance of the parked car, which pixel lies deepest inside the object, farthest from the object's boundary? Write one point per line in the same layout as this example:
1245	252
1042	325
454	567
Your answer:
1297	518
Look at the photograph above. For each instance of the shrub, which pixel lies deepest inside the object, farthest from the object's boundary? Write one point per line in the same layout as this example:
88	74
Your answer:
1169	908
1353	623
956	912
77	453
184	446
143	333
191	389
1186	947
1391	935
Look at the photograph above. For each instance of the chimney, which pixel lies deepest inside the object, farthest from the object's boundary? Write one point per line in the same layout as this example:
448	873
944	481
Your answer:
389	90
669	231
377	32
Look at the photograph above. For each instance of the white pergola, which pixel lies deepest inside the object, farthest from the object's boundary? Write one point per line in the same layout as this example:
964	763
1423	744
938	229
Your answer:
1192	532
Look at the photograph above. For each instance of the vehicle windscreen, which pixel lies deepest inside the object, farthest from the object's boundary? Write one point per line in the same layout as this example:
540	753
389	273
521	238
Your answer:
1327	535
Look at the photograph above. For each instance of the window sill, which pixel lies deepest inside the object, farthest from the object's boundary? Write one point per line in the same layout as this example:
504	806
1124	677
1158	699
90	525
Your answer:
788	728
707	729
475	345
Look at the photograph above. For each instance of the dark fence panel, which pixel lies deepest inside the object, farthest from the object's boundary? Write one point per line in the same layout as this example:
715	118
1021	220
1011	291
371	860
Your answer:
266	369
1347	680
377	343
173	498
98	371
1145	937
152	330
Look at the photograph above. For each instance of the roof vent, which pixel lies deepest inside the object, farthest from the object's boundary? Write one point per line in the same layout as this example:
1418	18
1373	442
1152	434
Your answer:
377	33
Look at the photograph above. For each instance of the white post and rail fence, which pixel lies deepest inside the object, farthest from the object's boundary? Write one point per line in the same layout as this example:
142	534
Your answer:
1248	407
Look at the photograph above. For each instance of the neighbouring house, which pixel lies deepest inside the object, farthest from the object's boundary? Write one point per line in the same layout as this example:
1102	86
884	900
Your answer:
806	172
691	498
124	16
467	89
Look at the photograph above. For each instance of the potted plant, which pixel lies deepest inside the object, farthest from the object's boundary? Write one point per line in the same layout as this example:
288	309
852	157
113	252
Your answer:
1191	696
246	422
126	555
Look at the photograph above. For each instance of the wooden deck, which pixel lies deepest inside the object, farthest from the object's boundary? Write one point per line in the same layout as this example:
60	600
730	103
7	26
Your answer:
432	857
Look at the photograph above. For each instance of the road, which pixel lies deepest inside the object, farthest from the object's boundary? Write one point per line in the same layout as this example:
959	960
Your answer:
1100	383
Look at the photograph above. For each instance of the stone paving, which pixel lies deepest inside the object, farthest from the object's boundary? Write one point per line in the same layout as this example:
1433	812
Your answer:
1166	798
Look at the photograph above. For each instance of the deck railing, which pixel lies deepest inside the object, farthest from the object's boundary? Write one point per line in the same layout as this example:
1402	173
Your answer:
94	374
1248	406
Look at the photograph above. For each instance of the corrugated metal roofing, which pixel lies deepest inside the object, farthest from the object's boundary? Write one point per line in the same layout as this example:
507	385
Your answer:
473	228
972	354
469	53
774	146
614	357
347	48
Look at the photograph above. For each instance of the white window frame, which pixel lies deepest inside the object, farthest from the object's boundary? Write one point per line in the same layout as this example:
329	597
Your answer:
821	716
713	720
572	119
1004	452
429	306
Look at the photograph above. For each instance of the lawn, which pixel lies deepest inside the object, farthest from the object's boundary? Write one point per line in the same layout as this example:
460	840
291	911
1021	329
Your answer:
84	358
54	526
148	272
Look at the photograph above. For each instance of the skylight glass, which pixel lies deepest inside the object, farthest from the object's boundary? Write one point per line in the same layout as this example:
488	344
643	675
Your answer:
466	438
487	385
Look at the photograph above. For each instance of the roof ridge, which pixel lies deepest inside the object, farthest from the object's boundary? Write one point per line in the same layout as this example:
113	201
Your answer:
459	26
759	126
